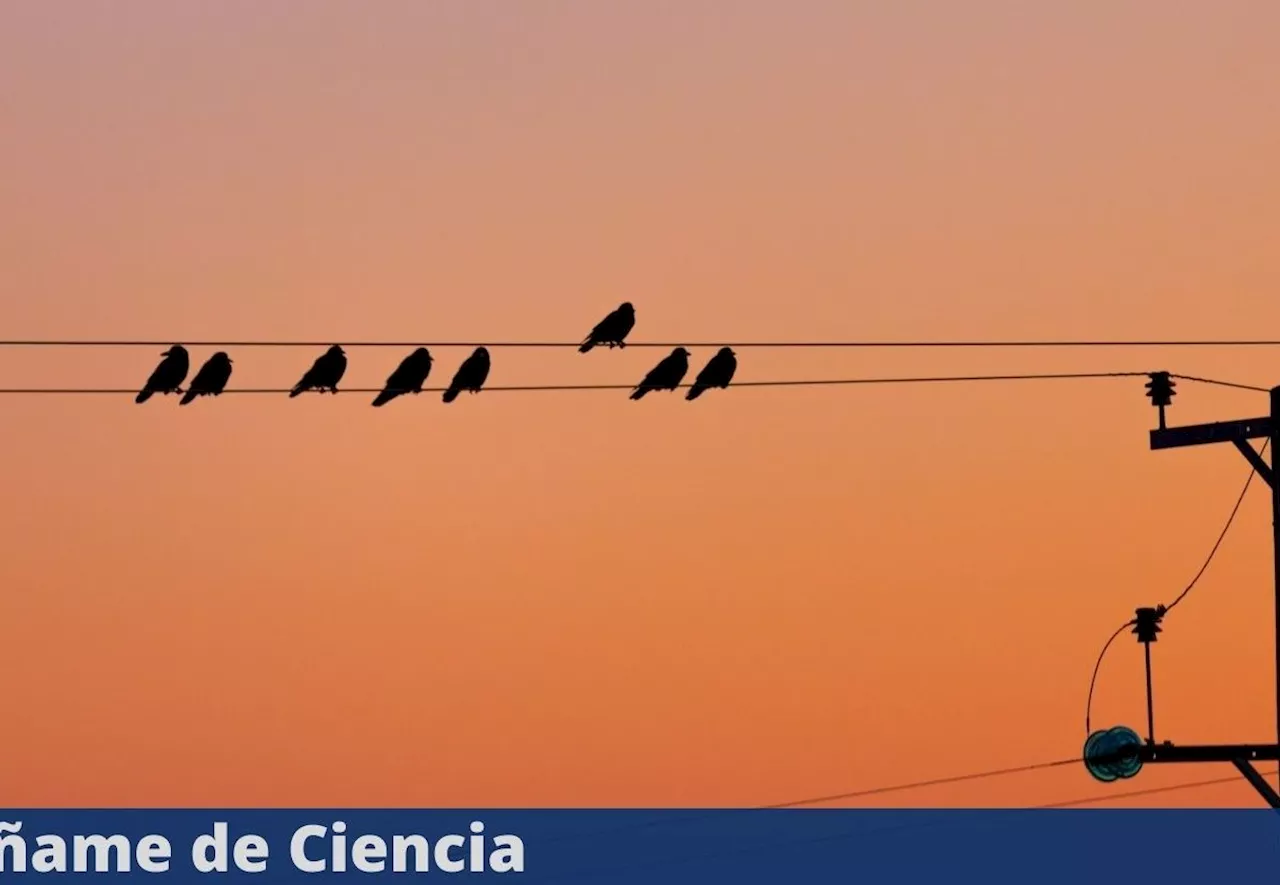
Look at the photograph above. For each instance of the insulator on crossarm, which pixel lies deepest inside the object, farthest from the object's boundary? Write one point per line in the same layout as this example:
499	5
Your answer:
1160	390
1146	623
1112	754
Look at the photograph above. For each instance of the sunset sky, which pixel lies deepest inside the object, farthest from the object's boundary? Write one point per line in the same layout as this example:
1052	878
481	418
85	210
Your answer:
568	598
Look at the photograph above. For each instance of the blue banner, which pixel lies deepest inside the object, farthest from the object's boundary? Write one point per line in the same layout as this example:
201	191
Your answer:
739	847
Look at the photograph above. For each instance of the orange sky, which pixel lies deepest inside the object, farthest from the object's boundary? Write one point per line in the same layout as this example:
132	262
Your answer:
570	598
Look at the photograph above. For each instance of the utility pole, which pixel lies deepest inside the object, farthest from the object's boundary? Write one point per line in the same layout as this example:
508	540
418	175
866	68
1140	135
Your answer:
1118	753
1270	477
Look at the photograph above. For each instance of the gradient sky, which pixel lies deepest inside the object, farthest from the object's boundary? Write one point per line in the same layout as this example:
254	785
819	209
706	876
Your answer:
570	598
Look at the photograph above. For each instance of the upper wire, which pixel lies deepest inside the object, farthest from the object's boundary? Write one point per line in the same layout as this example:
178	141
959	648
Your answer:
978	343
1220	383
810	382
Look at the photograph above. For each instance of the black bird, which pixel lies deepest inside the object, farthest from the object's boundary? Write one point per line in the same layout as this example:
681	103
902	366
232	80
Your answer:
470	376
168	375
666	375
210	380
718	372
407	378
324	374
612	329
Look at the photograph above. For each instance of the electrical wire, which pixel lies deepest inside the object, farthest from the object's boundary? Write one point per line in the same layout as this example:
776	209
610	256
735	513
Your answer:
954	779
1222	383
1165	609
979	343
813	382
1150	791
1088	707
1221	535
817	800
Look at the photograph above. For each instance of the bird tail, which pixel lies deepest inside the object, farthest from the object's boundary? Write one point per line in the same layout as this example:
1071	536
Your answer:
694	392
143	395
297	390
451	394
639	392
188	396
586	346
385	397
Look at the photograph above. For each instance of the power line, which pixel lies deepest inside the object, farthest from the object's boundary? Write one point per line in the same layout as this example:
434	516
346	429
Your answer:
817	800
1231	518
812	382
1088	706
954	779
1129	794
1222	383
977	343
1005	771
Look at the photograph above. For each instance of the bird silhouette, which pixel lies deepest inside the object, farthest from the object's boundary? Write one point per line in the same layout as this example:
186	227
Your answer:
210	380
407	378
470	376
613	329
666	375
324	374
168	375
718	372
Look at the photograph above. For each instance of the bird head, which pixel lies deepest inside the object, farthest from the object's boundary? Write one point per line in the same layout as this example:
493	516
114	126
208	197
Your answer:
727	351
626	307
482	351
423	353
221	357
174	351
679	351
337	350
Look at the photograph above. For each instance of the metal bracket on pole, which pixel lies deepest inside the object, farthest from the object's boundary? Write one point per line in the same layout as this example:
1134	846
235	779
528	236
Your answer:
1258	782
1251	455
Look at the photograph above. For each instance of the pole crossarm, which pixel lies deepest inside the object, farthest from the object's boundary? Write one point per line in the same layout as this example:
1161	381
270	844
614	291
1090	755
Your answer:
1206	434
1210	753
1167	752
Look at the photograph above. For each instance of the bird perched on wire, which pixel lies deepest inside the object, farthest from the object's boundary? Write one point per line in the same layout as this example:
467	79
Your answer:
210	380
408	377
613	329
324	374
718	372
470	376
168	376
666	375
